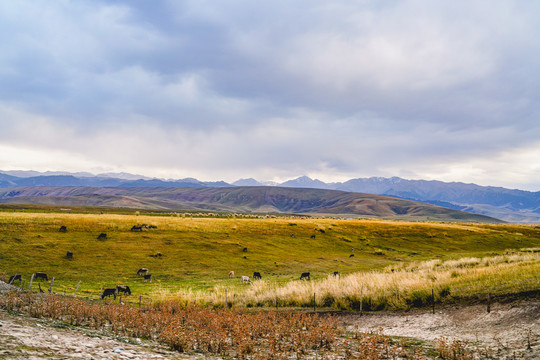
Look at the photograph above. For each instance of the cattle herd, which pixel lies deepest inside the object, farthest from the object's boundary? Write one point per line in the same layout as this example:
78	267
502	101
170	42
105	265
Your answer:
144	272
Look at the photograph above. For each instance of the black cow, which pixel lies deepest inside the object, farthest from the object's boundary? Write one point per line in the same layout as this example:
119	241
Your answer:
305	275
12	278
352	255
142	271
137	228
244	250
69	255
123	289
257	275
108	293
41	276
102	236
336	273
312	236
63	228
147	277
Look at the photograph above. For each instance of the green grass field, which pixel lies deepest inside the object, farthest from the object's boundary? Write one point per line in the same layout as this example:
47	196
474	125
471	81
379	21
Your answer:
198	252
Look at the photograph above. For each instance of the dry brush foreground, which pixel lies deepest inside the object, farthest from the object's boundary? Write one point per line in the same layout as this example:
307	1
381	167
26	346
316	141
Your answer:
229	333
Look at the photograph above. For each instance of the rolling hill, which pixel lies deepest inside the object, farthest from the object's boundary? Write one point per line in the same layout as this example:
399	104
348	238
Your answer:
250	199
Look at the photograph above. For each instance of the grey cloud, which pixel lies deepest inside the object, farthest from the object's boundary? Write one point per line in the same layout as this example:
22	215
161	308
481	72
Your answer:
274	88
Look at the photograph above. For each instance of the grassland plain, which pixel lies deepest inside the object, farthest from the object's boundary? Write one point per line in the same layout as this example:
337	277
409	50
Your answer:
198	252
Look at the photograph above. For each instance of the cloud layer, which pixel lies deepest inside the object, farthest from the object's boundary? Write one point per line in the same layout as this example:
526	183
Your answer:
231	89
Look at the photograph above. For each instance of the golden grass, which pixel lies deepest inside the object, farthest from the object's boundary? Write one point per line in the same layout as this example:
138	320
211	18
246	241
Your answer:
393	288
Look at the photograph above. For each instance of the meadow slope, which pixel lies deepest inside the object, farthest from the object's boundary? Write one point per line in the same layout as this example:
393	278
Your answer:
198	253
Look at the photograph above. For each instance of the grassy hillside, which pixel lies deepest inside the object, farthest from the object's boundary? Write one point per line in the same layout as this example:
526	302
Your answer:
198	253
240	199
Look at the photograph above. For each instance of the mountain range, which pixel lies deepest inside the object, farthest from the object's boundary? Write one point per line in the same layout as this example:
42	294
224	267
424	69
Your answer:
244	199
506	204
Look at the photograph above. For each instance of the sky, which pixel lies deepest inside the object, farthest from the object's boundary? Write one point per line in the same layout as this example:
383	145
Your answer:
223	90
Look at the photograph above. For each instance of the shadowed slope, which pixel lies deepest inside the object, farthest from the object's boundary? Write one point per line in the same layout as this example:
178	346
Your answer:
261	199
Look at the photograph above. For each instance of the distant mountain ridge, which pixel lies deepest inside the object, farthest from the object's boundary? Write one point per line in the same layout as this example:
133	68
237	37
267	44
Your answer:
506	204
250	199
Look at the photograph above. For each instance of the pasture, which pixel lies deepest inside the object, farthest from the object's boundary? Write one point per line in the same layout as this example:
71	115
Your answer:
194	255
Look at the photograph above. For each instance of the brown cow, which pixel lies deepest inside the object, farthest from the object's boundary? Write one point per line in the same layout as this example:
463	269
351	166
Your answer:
41	276
123	289
109	292
142	271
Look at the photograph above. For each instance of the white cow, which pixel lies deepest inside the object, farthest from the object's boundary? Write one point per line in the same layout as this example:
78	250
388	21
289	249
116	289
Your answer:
245	279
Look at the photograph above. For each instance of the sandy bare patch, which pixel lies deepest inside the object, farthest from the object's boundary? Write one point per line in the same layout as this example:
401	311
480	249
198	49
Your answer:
26	338
506	330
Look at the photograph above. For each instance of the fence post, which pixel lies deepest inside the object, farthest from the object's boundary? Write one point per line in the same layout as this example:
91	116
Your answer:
489	302
50	287
361	298
276	303
30	286
226	302
433	299
77	288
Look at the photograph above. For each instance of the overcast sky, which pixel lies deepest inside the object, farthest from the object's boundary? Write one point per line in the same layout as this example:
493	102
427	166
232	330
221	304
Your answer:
222	90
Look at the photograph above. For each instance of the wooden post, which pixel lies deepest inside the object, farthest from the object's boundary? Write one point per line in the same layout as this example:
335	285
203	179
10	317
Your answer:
361	298
77	288
30	286
120	299
50	287
433	299
276	303
489	302
226	303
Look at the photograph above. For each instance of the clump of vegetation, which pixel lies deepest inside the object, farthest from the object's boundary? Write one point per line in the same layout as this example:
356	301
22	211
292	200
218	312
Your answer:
230	333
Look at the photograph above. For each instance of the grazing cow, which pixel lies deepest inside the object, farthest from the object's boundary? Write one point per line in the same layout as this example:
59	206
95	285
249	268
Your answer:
244	250
41	276
352	255
69	255
305	275
336	273
108	293
245	279
151	227
63	228
123	289
312	236
257	275
231	274
147	277
137	228
142	271
102	236
292	235
12	278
